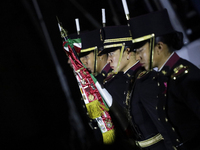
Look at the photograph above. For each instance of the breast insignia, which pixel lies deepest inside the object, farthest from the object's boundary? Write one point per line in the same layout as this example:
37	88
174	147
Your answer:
143	73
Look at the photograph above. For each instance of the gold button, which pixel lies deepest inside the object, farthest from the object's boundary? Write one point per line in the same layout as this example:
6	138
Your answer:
166	119
163	108
177	140
173	129
165	95
158	84
159	119
156	107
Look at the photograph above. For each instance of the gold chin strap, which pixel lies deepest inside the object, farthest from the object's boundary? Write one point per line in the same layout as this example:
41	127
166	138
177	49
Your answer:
151	46
95	61
120	58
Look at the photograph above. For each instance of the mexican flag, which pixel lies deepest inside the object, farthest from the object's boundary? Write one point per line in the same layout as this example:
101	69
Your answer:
76	43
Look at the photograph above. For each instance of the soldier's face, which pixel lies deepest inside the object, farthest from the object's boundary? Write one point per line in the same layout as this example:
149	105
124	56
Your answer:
113	58
88	61
143	55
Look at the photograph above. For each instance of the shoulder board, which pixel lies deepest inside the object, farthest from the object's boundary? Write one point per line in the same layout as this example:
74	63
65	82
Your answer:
110	75
143	73
179	71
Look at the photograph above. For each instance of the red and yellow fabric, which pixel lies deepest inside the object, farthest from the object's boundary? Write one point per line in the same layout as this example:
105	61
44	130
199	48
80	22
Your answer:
96	107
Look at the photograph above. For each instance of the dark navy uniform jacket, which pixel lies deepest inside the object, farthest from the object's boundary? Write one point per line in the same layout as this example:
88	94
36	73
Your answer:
143	112
179	102
118	85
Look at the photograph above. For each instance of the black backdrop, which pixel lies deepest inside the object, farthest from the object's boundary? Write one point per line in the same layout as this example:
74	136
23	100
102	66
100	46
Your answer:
34	111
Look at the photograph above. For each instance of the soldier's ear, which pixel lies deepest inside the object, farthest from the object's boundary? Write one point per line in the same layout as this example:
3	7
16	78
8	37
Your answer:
128	50
159	47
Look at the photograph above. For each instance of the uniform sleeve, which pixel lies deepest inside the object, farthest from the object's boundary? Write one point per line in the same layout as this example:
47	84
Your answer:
191	90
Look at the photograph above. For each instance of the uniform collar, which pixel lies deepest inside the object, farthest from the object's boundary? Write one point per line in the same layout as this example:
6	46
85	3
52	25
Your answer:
131	70
173	58
106	67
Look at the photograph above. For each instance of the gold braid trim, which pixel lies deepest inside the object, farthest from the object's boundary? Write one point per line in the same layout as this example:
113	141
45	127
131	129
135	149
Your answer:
94	109
109	137
118	40
88	49
143	38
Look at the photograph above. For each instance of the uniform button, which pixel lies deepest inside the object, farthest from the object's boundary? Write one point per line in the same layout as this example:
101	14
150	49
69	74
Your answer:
95	127
158	84
177	140
174	148
166	119
174	78
124	92
165	95
156	107
153	78
173	129
83	106
159	119
157	96
163	108
126	81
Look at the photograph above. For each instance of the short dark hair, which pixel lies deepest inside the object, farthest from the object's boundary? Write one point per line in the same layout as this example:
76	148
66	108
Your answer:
174	41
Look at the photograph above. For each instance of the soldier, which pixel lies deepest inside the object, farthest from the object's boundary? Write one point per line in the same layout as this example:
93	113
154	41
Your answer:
170	95
117	42
91	47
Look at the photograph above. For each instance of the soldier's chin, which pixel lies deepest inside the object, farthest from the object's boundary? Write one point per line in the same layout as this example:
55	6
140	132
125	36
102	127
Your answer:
146	67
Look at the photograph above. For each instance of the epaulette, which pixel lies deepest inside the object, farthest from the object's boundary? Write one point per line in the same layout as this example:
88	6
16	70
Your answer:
143	73
110	75
179	71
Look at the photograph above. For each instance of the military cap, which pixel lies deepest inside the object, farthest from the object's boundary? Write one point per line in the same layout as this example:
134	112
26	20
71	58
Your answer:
157	23
115	37
90	41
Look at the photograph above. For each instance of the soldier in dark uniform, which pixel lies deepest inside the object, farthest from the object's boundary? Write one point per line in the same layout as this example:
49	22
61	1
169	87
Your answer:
91	47
117	42
170	95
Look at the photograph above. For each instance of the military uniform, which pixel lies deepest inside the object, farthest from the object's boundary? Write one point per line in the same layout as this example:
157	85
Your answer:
142	108
118	86
179	102
122	81
169	96
101	77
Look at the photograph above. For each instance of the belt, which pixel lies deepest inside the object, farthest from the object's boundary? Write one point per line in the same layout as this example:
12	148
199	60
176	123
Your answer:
148	142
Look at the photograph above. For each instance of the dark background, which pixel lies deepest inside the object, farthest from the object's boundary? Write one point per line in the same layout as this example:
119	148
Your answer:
34	110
